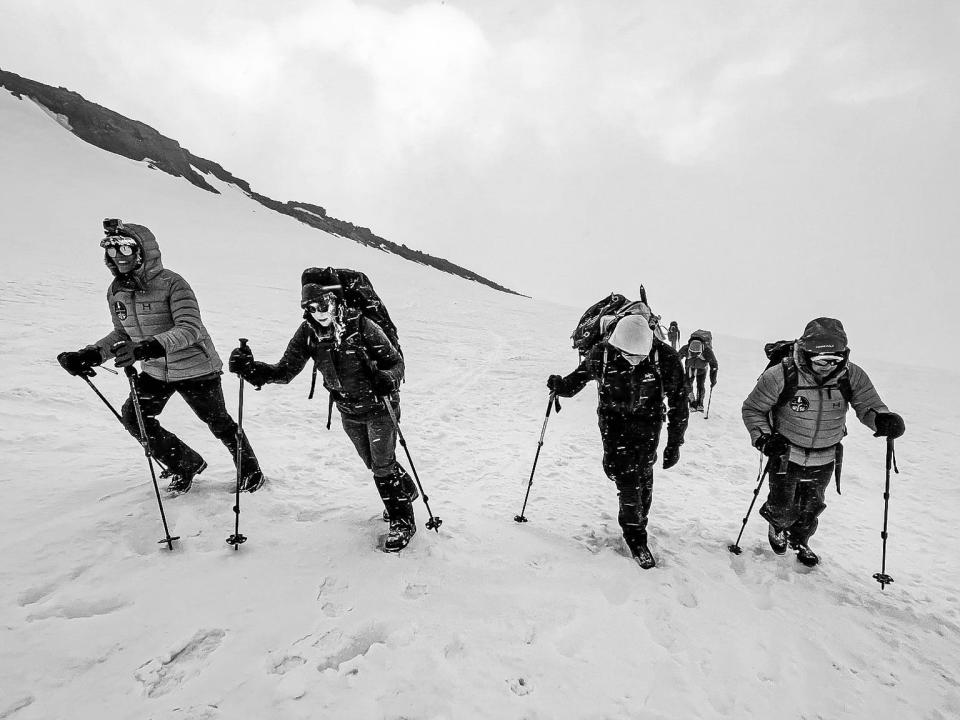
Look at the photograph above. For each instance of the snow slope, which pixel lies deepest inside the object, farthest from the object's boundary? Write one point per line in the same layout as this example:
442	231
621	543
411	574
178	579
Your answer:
486	619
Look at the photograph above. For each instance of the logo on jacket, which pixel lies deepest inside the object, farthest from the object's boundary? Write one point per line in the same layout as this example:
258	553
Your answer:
799	404
120	310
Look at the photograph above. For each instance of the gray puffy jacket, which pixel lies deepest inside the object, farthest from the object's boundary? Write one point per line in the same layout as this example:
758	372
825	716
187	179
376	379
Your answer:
153	302
814	419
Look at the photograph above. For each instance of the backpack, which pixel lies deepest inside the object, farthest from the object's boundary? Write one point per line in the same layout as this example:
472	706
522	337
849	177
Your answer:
357	292
703	336
781	353
598	321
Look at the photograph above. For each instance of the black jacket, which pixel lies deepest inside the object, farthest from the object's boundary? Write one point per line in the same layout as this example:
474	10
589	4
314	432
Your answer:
637	392
346	367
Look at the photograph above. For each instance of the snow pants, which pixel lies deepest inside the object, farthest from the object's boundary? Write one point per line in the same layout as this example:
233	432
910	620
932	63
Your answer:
375	438
204	396
796	498
629	452
700	376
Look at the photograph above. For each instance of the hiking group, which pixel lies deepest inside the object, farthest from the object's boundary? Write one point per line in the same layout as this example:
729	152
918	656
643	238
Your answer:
795	415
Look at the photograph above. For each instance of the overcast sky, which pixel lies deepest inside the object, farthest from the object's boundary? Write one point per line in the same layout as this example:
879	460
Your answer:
755	164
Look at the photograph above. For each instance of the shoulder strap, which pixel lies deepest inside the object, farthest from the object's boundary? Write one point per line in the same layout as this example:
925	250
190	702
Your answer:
790	382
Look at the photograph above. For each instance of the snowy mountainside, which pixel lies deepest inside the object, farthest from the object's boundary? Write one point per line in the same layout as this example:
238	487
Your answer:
485	619
132	139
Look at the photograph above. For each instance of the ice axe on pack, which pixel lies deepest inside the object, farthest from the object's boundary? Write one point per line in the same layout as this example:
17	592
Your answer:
551	401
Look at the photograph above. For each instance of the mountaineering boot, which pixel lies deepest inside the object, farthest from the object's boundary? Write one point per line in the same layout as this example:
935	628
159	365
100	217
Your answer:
399	511
805	555
408	484
402	528
409	488
641	553
777	538
182	480
253	482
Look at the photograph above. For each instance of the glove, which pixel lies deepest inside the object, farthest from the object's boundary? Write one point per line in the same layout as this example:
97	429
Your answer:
80	362
556	384
772	445
127	352
889	425
713	381
671	455
383	383
241	359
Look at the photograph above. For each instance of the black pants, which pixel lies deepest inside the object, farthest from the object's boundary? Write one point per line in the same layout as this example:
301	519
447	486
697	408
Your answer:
629	452
796	498
205	398
700	375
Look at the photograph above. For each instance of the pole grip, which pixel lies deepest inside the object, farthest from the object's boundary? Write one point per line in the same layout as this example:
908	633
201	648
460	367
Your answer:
243	342
130	371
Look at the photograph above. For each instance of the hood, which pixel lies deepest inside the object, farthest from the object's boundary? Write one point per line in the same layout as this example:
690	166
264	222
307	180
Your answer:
632	335
149	250
823	335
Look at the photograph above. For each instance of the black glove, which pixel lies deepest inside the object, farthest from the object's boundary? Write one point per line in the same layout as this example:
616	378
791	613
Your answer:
713	380
671	455
80	362
383	382
127	352
772	445
556	384
889	425
241	359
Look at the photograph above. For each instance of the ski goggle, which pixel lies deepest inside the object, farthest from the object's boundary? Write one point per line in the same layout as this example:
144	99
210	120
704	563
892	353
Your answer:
119	245
826	359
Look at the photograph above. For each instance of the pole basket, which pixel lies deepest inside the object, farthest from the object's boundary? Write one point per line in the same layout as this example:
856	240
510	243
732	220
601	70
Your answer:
519	518
883	579
735	549
434	523
236	540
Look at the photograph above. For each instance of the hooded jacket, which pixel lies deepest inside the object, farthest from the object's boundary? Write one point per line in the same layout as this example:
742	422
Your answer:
814	419
346	365
153	302
635	391
698	365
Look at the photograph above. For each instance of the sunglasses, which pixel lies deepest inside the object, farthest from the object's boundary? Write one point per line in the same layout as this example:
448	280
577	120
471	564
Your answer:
825	360
125	250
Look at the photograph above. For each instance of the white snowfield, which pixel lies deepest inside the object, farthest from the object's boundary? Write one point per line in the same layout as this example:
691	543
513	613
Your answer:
487	618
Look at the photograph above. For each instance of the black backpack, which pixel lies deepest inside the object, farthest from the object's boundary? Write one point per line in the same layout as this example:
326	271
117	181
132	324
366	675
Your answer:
356	291
598	321
781	353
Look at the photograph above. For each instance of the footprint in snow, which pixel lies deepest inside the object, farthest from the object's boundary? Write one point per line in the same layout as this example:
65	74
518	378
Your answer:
520	686
80	608
414	591
167	672
329	588
336	648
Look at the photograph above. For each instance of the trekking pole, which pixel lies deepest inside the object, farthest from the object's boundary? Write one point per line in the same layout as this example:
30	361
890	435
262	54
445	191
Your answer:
521	518
706	415
237	539
735	548
882	577
145	442
433	523
107	403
